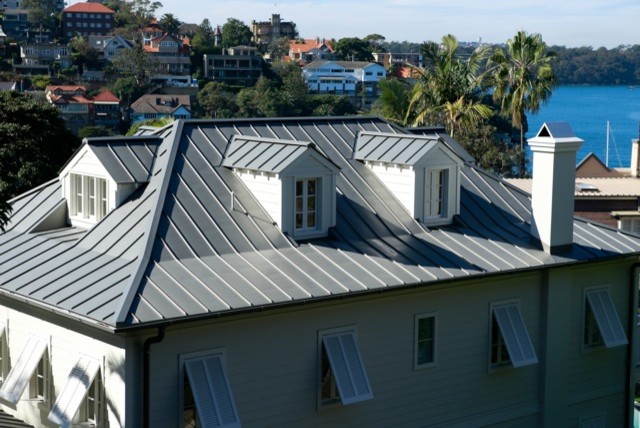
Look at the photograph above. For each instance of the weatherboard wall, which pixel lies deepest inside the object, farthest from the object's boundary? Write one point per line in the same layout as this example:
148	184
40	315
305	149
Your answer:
65	344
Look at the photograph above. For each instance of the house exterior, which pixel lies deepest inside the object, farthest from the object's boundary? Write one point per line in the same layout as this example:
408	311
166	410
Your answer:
309	50
610	196
40	58
171	55
108	46
241	64
78	109
356	79
159	106
107	110
265	32
87	19
15	24
388	59
368	275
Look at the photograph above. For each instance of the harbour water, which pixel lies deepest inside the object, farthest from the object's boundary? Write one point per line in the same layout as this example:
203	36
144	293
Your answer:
588	109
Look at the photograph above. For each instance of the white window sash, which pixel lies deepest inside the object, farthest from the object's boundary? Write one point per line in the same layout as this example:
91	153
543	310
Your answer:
19	376
599	300
515	335
347	367
211	392
75	389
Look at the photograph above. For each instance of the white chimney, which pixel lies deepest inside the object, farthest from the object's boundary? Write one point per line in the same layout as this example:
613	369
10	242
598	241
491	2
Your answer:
634	158
554	151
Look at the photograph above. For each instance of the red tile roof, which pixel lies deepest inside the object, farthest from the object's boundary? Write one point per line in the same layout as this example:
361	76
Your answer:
106	96
306	45
88	8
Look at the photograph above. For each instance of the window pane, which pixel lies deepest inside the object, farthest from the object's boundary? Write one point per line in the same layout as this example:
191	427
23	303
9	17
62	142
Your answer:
425	340
311	187
311	203
299	187
311	220
91	200
298	221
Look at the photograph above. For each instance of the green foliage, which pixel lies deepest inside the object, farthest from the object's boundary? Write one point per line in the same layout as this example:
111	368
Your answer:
376	42
133	15
135	63
170	24
83	54
34	144
217	100
40	81
278	48
331	105
235	33
202	43
156	123
40	13
394	100
94	131
127	89
589	66
353	49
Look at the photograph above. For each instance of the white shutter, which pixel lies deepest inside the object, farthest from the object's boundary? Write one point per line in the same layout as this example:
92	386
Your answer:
606	317
74	391
211	392
515	335
348	369
19	376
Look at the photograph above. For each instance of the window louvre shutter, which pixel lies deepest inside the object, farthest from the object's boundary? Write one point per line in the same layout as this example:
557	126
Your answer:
606	317
211	392
74	391
19	376
515	335
348	369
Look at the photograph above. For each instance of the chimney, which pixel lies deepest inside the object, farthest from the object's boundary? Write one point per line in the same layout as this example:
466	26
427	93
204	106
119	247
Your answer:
554	151
634	158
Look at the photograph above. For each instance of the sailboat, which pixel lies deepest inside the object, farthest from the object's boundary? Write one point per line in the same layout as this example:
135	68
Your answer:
615	146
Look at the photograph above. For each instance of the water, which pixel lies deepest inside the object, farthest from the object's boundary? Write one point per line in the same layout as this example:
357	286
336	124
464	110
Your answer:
587	109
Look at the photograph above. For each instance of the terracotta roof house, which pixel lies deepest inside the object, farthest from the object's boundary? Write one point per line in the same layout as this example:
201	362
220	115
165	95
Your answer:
80	110
170	54
158	106
309	50
87	19
335	271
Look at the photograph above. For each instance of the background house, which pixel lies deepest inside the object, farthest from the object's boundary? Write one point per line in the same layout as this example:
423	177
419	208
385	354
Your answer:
40	58
309	50
188	273
169	54
159	106
87	19
265	32
241	65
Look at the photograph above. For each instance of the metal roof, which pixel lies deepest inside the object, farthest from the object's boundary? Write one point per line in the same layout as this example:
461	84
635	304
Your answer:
177	249
263	154
393	148
594	187
128	160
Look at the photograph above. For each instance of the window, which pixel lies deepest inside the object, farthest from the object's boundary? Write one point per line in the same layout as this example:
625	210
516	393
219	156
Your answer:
630	224
27	370
206	395
81	398
436	189
601	323
425	341
306	200
4	354
89	196
343	378
510	342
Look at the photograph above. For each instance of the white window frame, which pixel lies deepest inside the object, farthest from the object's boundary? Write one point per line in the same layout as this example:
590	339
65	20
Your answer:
4	352
81	400
629	224
508	331
304	197
597	300
349	375
417	364
89	196
436	198
22	372
39	383
216	356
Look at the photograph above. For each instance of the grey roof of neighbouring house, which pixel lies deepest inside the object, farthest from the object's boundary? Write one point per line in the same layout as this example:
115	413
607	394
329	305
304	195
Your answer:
393	148
128	160
194	242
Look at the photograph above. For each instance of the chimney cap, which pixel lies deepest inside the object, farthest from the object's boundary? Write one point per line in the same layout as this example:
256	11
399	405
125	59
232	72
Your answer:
556	130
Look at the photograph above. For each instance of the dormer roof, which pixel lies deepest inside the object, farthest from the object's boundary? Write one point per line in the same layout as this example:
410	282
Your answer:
269	154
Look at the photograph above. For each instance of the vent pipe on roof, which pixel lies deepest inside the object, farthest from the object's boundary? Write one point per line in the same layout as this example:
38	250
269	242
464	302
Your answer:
554	151
635	154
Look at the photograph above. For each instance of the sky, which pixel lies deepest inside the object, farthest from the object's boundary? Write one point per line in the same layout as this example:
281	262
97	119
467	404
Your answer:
571	23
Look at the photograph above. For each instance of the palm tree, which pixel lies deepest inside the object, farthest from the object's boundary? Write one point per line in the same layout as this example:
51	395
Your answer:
449	87
170	24
523	78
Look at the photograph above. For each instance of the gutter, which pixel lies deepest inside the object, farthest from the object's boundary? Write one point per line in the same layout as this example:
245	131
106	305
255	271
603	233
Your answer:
146	371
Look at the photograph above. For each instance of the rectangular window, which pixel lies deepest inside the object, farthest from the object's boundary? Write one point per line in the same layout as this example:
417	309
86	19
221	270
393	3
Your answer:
80	401
425	341
306	200
510	341
89	197
436	189
343	377
78	194
24	371
601	322
39	381
206	392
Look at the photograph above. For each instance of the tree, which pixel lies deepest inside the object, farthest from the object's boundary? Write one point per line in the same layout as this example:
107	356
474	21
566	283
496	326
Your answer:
127	89
202	43
170	24
94	131
524	78
156	123
278	48
83	54
353	49
217	100
135	63
40	14
375	41
394	99
235	33
34	144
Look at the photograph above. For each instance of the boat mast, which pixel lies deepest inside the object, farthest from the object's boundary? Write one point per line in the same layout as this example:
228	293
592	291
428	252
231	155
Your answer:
606	157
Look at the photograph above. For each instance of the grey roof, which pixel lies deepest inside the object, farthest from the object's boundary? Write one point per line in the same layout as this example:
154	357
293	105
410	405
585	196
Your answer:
393	148
128	160
556	130
178	249
345	64
160	103
263	154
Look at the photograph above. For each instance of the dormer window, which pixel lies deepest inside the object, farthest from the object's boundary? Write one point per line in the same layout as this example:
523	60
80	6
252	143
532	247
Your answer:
422	172
90	197
294	183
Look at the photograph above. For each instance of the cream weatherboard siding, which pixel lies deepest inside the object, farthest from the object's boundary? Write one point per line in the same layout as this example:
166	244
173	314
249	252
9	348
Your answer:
64	347
268	188
401	182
